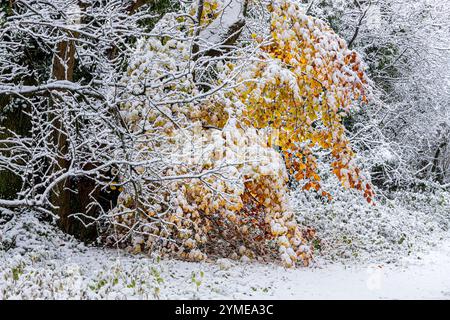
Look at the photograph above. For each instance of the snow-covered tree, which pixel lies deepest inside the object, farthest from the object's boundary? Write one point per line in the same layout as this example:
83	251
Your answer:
179	131
238	98
405	44
62	132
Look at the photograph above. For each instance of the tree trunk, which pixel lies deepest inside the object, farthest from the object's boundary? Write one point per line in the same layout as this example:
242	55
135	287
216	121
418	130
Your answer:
72	195
16	121
438	174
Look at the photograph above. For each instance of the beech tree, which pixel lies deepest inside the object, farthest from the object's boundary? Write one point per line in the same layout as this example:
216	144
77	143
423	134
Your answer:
287	91
179	130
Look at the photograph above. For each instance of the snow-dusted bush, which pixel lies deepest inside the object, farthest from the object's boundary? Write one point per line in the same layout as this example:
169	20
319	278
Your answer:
232	200
349	228
38	261
212	113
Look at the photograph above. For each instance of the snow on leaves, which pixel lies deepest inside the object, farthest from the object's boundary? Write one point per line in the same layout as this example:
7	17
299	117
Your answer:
306	85
229	193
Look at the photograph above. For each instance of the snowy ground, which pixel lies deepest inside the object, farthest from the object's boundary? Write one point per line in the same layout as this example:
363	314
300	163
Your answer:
37	261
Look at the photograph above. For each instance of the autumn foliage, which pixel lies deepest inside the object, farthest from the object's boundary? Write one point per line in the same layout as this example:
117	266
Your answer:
308	83
286	104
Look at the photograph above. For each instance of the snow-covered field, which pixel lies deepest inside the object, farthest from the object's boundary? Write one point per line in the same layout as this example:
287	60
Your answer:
37	261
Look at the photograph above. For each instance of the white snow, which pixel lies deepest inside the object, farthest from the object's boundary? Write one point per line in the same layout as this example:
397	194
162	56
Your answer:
427	278
51	265
214	33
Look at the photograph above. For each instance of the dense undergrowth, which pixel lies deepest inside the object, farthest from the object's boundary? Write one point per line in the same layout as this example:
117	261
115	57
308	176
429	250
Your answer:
399	224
